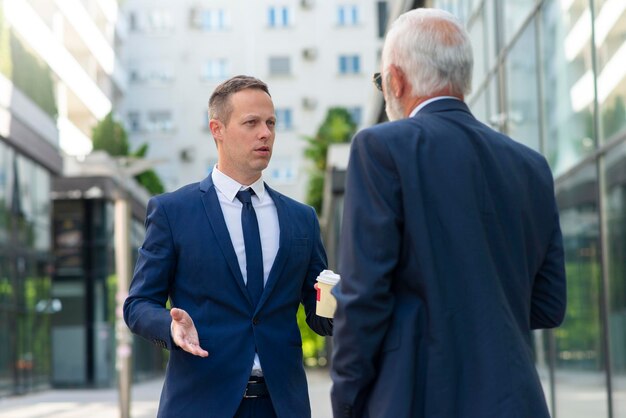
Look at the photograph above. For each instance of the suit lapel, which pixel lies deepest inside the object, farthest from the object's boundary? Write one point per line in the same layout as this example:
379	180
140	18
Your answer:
216	219
284	245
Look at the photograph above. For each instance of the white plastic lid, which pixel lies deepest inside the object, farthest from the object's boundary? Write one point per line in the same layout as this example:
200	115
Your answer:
328	277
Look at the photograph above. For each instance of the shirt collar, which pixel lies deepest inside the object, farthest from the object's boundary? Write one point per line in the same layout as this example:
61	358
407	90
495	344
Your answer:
229	187
425	102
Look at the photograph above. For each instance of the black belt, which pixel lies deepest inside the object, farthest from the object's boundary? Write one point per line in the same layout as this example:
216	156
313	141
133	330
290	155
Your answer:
256	388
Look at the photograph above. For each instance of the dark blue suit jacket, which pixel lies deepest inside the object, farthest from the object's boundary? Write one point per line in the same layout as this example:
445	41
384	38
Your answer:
451	252
188	256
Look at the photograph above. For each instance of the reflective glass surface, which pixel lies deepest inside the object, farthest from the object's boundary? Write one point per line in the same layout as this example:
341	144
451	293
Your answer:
610	40
515	12
614	165
567	83
580	366
522	117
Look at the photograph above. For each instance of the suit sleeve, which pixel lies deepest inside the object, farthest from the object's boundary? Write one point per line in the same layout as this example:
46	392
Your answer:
318	262
549	293
370	250
144	309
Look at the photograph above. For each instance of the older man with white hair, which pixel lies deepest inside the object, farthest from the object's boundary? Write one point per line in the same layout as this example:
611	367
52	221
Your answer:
451	249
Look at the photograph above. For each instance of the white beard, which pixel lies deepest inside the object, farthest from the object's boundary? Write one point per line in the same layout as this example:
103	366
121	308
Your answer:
393	109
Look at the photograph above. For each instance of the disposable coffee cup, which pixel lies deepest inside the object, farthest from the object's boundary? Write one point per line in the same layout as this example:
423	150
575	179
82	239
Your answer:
326	302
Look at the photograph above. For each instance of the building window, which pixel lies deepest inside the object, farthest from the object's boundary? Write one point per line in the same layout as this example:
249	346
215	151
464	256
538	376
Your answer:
383	16
160	121
349	64
282	172
283	119
134	123
152	76
133	24
209	19
215	69
159	21
280	66
347	15
278	17
356	113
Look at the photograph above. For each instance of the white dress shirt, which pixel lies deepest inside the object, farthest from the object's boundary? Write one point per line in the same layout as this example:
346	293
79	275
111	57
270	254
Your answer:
425	102
267	218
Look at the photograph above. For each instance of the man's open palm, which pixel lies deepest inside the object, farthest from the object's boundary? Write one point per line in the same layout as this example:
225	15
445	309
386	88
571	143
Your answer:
184	333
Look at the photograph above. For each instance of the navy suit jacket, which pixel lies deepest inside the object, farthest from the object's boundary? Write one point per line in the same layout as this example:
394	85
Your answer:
451	252
188	256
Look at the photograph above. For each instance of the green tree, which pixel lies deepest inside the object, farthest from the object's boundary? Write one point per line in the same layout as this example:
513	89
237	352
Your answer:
31	75
110	136
338	127
149	178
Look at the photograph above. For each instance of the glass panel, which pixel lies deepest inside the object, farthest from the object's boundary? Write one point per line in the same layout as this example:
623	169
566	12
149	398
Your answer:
478	105
522	102
580	366
6	301
610	39
477	36
515	13
615	210
541	344
567	83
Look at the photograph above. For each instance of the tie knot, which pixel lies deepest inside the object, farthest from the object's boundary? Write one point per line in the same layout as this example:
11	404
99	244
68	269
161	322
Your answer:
245	196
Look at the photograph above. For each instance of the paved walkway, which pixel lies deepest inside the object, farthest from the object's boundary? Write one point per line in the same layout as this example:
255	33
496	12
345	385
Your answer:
103	403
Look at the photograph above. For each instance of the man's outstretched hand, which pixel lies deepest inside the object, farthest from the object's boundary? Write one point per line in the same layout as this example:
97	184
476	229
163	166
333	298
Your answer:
184	333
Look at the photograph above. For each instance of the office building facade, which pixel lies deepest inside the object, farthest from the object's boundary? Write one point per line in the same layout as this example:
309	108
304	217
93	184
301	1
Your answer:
59	75
313	54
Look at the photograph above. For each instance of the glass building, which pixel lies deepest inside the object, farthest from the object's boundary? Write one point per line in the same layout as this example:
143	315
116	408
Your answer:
552	75
29	158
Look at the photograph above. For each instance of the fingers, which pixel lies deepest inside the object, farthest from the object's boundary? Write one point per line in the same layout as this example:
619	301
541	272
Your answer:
177	314
194	349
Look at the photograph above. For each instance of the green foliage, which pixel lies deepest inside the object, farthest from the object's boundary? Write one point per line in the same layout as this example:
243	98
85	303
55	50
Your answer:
110	136
338	127
5	46
30	75
614	117
313	345
149	178
578	339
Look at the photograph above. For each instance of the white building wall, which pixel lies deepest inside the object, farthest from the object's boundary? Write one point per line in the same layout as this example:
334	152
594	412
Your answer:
178	53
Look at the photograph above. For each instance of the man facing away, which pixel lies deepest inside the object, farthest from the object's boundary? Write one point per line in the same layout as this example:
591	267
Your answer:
451	249
235	258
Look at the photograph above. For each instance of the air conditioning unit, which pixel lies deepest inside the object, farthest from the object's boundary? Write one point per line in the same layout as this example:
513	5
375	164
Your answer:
187	155
307	4
309	53
309	103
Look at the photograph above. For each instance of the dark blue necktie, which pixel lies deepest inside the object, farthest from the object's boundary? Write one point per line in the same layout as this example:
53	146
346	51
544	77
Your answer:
252	242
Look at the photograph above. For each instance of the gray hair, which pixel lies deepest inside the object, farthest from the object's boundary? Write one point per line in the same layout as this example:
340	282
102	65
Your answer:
434	51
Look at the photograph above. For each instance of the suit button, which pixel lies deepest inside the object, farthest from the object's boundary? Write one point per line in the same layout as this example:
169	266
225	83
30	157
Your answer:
255	321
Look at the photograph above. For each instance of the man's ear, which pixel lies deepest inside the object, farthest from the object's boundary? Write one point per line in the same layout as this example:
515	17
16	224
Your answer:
398	81
216	129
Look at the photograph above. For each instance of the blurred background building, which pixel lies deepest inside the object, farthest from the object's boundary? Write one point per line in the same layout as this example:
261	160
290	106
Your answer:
313	54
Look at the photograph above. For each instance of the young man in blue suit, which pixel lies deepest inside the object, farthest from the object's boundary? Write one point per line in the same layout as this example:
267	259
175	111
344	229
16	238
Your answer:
451	250
236	259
